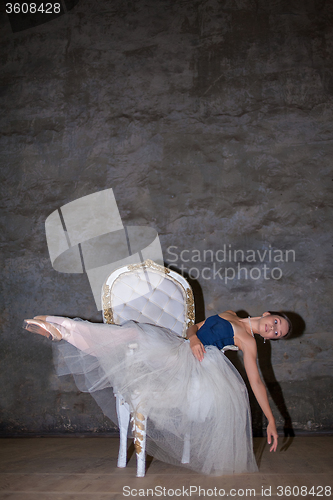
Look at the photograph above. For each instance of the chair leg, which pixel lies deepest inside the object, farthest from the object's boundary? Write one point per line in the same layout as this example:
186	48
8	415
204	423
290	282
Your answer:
123	414
139	423
186	449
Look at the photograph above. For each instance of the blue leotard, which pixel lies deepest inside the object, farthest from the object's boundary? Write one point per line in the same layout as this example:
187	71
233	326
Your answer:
216	331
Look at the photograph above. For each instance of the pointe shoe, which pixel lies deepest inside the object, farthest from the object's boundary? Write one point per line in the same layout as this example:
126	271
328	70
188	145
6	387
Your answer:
42	328
43	318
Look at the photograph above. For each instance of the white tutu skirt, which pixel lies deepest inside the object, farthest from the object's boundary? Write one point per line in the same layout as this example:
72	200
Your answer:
206	402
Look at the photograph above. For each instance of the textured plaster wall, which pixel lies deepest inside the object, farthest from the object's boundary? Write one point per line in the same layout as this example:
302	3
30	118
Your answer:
212	122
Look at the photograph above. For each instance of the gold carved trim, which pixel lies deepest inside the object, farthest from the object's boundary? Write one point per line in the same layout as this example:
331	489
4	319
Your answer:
149	263
107	309
137	424
190	306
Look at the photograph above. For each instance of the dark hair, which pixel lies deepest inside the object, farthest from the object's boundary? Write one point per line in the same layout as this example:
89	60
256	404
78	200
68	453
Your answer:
282	315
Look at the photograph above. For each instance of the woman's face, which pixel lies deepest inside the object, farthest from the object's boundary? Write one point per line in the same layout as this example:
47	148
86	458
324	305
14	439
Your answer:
272	326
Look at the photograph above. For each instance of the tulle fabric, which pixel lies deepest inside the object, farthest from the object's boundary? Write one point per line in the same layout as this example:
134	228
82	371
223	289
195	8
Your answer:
205	402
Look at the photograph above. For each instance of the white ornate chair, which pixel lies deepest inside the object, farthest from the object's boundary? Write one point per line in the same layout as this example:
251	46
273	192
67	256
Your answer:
147	293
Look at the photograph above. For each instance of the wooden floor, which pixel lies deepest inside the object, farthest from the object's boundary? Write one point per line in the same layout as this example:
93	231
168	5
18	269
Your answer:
74	468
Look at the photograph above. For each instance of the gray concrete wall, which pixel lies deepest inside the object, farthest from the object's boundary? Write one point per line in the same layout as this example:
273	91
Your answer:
212	122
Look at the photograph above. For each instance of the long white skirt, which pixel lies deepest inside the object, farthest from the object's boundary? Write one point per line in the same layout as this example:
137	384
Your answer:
206	401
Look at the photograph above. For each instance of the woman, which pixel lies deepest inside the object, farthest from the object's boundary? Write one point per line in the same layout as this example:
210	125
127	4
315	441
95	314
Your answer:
189	389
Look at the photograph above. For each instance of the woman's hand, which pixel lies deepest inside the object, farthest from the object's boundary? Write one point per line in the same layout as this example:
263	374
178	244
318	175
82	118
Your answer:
197	348
272	434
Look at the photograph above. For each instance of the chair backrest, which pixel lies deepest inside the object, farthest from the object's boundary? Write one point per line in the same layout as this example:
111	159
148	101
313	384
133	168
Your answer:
148	293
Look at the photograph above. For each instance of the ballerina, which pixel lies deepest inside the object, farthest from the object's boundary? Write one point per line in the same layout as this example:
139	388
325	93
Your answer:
186	386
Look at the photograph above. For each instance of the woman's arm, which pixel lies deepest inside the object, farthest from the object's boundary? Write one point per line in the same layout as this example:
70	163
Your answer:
259	390
196	346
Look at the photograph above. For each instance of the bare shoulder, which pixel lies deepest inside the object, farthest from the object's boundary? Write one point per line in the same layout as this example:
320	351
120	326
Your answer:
245	342
242	339
249	344
228	313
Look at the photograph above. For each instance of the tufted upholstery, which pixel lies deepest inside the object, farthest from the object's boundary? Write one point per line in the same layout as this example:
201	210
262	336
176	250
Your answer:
148	293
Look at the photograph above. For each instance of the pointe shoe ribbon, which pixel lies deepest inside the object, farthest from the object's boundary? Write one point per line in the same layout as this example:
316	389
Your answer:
44	328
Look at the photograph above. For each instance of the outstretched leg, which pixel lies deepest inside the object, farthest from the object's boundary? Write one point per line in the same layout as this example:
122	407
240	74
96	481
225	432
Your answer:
85	336
58	328
75	332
